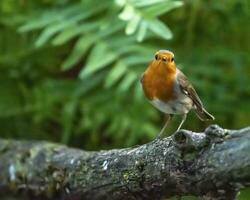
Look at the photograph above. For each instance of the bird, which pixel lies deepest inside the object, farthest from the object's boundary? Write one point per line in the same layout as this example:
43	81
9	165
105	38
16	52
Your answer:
170	91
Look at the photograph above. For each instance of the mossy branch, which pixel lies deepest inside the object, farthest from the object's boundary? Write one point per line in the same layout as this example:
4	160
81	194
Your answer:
212	165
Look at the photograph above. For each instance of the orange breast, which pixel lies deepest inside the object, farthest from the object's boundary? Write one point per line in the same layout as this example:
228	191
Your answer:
159	82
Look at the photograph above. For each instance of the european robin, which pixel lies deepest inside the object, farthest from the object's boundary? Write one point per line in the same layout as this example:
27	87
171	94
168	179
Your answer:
169	90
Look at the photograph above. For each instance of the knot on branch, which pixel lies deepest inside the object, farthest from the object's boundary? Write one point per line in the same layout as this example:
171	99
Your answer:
215	133
188	140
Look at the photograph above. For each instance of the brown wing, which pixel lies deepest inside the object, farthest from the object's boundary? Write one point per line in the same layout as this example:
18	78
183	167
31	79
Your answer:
187	89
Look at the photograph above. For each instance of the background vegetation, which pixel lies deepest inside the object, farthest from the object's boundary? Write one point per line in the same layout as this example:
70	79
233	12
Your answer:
70	70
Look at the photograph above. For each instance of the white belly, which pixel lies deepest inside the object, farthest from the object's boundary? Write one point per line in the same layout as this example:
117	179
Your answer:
180	106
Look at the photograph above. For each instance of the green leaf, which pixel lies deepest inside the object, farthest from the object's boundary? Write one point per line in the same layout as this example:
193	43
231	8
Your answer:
128	80
117	71
136	59
118	42
127	13
80	48
49	17
99	58
46	19
74	30
161	8
142	3
73	14
48	33
110	29
120	3
53	29
142	31
160	29
66	35
132	25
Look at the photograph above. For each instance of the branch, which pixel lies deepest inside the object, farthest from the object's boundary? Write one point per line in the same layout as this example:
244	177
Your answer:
212	165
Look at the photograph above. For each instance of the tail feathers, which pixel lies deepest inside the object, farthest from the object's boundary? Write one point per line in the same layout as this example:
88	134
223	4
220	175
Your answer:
204	115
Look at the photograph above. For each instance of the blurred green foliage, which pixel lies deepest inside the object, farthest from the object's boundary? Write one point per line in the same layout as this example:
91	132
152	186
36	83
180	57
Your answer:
70	70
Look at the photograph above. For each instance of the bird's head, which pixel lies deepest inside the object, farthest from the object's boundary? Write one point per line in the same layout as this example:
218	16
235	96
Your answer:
164	59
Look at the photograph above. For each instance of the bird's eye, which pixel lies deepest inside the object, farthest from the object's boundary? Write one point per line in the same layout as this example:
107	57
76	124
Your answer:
156	56
172	59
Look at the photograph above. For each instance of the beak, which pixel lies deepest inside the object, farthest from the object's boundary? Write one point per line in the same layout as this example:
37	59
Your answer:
164	59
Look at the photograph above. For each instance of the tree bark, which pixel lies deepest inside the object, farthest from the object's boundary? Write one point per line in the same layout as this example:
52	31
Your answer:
214	164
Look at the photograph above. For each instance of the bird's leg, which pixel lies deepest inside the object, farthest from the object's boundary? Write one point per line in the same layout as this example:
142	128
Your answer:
165	125
184	116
